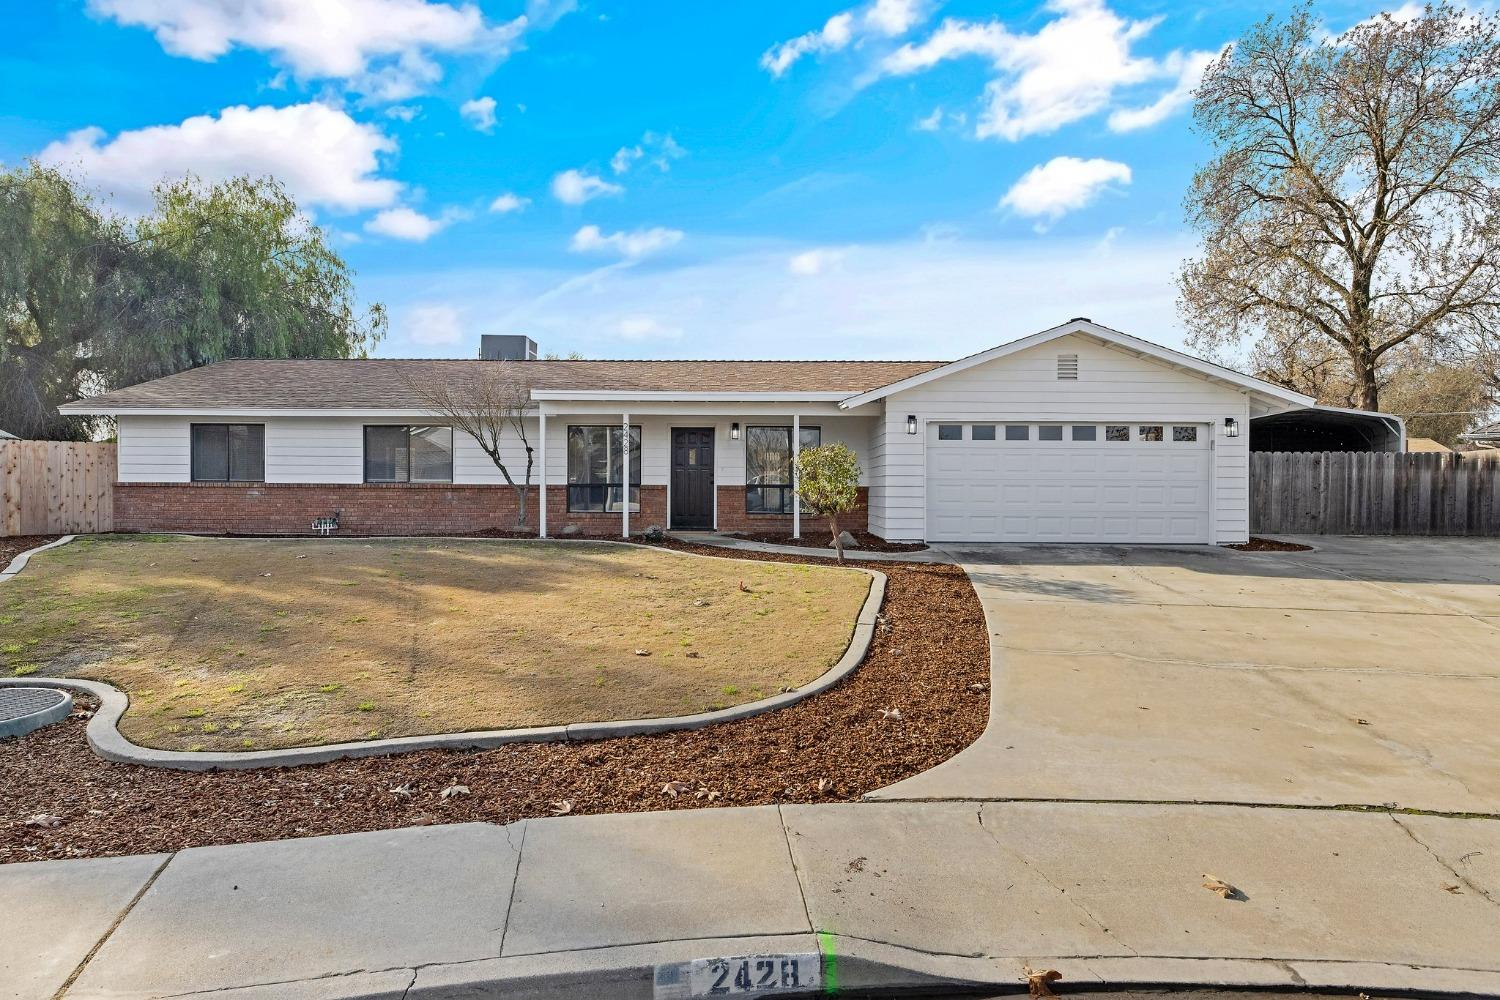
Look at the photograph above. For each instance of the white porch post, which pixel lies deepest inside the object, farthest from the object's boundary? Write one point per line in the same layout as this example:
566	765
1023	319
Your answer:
541	467
796	451
625	490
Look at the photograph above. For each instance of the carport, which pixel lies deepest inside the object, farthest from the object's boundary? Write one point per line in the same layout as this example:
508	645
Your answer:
1327	428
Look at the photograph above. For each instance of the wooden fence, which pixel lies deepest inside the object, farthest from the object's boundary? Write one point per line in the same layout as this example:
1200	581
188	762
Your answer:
1375	493
47	487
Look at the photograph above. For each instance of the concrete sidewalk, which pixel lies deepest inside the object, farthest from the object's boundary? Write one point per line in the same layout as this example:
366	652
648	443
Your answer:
897	894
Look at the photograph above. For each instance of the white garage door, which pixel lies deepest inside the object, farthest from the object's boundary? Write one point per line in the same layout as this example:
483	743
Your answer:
1040	482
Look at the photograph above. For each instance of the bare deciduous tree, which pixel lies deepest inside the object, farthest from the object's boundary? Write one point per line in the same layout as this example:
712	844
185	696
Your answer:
487	401
1352	205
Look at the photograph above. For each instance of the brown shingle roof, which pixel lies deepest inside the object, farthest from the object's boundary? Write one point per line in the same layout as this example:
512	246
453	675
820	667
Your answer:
384	383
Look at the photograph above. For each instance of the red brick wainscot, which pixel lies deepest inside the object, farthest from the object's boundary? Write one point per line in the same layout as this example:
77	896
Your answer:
732	515
363	508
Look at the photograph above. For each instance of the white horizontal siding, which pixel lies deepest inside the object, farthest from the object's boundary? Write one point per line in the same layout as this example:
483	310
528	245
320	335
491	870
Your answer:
152	450
1112	384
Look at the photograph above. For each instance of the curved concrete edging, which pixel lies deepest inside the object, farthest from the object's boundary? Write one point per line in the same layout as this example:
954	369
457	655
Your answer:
24	724
19	562
107	741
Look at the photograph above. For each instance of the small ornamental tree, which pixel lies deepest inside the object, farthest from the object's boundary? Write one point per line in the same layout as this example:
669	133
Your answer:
828	485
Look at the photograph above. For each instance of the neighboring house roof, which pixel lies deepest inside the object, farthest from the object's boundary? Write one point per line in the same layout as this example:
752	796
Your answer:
7	436
1102	334
385	384
1425	444
1488	434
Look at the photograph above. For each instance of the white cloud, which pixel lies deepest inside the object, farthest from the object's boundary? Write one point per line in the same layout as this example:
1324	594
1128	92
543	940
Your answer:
508	202
380	47
325	158
883	18
574	187
646	328
1072	67
1062	185
932	122
403	223
631	245
1189	67
479	113
658	150
403	112
813	262
433	325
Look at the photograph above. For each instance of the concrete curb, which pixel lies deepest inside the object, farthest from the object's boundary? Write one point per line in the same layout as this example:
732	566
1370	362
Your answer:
19	562
721	541
107	741
626	972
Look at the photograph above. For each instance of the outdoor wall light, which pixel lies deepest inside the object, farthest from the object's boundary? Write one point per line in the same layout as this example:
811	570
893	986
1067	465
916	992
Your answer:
911	423
1231	427
734	431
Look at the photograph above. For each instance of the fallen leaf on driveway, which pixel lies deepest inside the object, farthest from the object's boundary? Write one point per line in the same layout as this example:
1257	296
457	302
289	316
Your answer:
1039	981
675	788
1215	884
1453	889
453	790
562	808
44	819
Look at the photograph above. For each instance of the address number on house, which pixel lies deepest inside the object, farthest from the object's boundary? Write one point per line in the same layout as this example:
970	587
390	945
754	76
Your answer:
741	976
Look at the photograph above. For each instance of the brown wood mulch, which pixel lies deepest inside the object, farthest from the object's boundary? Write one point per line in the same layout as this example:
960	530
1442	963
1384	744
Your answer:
929	661
13	545
1270	545
822	540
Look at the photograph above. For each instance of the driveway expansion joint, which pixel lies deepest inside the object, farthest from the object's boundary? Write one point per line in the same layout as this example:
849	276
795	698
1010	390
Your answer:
114	925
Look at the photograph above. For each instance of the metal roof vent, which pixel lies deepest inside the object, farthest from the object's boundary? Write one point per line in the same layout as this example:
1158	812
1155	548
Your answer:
1067	368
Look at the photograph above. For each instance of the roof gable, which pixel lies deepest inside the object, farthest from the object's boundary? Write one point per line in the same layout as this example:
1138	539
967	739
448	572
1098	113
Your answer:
1104	335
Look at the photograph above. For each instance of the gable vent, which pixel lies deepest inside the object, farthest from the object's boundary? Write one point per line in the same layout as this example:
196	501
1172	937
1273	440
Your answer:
1067	367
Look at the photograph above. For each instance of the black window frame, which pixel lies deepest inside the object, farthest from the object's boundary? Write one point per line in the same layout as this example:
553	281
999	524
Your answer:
408	480
230	472
590	497
758	494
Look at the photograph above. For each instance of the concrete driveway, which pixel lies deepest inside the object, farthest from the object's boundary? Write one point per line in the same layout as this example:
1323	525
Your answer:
1365	672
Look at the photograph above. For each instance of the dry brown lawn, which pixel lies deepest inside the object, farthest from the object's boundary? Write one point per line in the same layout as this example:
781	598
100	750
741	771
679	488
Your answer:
249	643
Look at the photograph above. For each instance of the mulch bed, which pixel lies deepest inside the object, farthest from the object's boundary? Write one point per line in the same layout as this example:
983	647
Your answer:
821	540
1270	545
13	545
929	660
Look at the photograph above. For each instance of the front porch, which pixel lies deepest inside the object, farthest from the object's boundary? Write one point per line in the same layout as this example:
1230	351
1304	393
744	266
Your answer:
698	468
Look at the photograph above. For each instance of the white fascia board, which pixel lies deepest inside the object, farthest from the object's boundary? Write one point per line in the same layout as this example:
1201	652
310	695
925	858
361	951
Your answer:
1103	334
606	395
82	408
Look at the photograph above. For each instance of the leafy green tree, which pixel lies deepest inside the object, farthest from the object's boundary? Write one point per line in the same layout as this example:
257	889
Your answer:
91	301
828	485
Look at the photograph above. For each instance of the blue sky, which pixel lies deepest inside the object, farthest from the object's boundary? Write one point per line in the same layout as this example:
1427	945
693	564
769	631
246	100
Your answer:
892	178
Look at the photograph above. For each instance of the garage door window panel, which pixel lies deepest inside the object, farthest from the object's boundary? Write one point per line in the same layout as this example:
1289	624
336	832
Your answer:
1150	432
950	432
1085	432
982	432
1182	435
1116	432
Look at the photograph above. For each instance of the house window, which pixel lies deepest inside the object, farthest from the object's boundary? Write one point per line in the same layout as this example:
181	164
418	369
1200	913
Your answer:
1085	432
1049	432
1116	432
768	467
982	432
1017	432
228	453
399	453
950	432
1150	432
1188	434
596	468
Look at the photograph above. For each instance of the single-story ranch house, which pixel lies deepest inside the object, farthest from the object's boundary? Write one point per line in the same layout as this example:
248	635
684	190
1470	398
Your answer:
1077	433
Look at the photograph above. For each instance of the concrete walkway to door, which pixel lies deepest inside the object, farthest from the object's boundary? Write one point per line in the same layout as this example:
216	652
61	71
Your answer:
1364	672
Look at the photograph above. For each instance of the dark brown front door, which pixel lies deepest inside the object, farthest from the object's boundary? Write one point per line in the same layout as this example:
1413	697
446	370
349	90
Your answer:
692	477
